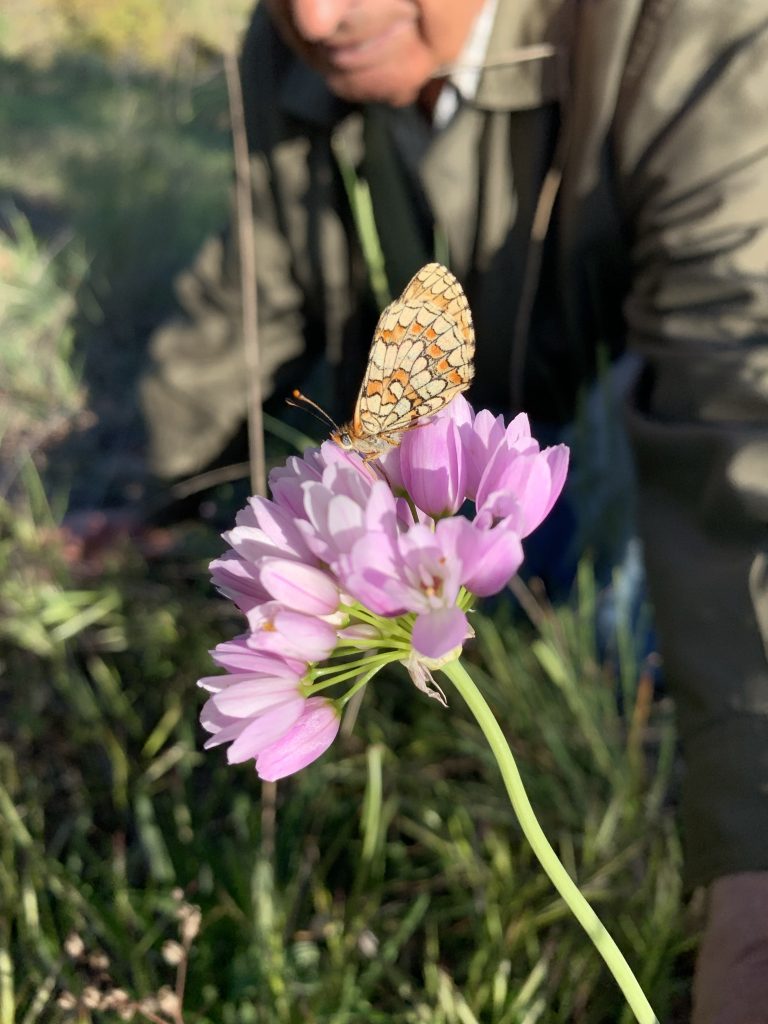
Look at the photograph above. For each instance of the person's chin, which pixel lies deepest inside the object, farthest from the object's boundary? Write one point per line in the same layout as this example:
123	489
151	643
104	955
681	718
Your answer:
376	84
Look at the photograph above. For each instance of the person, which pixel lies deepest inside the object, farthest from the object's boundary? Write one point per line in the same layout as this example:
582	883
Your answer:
596	174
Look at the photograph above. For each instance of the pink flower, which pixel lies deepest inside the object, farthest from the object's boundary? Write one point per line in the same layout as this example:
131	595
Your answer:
394	574
285	482
521	487
260	709
483	435
343	506
237	579
239	655
460	455
488	558
360	564
251	709
440	631
423	571
433	467
302	588
289	634
309	736
264	529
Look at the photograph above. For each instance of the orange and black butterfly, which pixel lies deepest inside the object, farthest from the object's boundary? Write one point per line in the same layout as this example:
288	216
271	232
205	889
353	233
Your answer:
421	357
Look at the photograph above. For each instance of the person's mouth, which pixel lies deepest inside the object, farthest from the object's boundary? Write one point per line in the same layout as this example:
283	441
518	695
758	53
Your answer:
361	53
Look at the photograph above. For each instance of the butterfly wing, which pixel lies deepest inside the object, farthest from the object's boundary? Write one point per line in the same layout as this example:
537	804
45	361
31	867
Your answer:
421	357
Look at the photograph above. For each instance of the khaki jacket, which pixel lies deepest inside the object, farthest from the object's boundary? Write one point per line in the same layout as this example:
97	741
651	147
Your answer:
607	189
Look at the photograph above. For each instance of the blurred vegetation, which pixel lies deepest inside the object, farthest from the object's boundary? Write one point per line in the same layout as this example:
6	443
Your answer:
119	171
155	33
399	888
134	165
39	389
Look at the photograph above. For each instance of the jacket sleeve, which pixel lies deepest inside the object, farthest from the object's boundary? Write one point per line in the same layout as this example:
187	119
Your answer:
692	153
194	394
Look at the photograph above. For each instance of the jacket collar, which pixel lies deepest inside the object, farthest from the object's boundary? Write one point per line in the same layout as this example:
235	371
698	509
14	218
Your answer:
526	62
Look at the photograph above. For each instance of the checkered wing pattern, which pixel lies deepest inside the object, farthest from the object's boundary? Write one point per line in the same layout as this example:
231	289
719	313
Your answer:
421	358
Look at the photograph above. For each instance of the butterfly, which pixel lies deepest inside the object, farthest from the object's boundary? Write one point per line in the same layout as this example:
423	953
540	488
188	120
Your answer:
421	357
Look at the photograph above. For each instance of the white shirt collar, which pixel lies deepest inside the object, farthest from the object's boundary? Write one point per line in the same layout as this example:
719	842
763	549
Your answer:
463	80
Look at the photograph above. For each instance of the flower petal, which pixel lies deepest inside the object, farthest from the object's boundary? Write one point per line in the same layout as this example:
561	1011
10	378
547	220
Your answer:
215	684
433	467
371	575
300	587
252	697
439	631
308	738
523	485
238	655
221	733
264	730
299	636
236	579
488	558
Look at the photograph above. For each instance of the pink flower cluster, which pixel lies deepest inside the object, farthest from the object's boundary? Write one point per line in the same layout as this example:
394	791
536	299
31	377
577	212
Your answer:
351	565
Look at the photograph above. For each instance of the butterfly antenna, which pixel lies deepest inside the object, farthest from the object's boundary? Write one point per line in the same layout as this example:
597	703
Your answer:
300	400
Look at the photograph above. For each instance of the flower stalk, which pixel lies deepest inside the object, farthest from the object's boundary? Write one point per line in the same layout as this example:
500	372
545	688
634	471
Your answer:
541	846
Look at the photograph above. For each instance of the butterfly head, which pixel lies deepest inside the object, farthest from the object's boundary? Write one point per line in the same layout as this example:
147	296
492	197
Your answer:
342	438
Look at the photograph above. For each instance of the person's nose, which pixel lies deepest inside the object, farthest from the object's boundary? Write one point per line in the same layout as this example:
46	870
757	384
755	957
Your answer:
316	20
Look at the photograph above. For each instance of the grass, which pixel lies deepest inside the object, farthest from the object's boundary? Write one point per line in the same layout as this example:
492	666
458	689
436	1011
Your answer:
399	888
39	386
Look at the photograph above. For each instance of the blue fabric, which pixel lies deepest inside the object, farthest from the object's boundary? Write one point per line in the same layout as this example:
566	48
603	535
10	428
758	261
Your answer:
594	517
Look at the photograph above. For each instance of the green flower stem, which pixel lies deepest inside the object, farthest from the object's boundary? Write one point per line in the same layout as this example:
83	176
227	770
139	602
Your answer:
559	877
386	627
344	648
355	670
358	664
362	681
